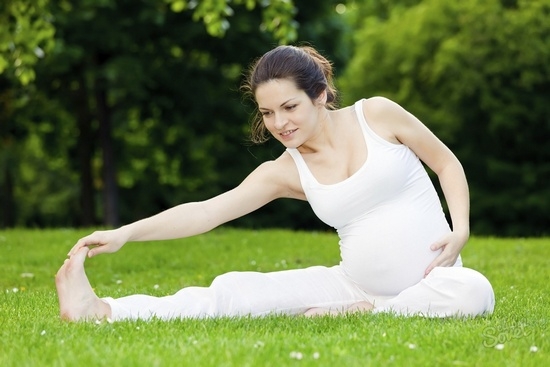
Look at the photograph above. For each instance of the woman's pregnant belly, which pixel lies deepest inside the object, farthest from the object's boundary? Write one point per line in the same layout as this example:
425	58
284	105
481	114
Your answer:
385	260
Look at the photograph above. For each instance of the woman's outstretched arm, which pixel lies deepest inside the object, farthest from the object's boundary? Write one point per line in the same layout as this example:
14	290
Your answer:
263	185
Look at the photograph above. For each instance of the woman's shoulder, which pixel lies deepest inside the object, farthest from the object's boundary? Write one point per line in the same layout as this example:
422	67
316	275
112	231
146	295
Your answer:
377	108
282	172
380	105
383	116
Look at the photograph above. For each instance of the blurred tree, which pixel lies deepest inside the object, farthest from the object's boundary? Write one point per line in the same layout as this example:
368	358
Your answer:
478	73
129	28
25	36
88	71
9	135
152	81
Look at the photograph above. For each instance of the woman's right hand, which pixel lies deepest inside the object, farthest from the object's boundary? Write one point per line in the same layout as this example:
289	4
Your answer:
101	242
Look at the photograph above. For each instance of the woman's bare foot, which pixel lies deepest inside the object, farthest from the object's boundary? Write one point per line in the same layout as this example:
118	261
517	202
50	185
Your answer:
77	300
363	306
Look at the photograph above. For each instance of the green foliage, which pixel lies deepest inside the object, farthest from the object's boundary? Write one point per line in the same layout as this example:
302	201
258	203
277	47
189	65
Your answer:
277	15
29	26
32	333
178	123
26	35
478	73
278	18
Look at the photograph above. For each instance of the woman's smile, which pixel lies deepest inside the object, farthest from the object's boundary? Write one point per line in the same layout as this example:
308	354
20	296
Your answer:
287	133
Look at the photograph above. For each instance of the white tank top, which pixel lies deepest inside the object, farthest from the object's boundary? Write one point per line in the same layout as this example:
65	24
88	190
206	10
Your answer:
387	214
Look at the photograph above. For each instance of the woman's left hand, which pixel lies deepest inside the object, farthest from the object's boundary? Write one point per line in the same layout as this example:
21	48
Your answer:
451	244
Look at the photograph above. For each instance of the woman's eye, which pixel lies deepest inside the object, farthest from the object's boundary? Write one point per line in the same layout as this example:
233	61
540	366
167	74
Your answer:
291	107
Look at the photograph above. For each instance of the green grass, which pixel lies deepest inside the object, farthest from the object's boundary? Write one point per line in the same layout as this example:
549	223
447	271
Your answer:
31	333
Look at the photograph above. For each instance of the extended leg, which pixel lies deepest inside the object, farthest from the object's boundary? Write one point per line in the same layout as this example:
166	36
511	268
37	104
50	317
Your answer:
247	293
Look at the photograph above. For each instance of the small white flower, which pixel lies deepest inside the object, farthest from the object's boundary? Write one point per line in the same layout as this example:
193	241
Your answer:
259	344
156	286
97	322
412	346
296	355
15	290
533	349
137	327
109	320
253	262
499	346
119	281
316	355
43	332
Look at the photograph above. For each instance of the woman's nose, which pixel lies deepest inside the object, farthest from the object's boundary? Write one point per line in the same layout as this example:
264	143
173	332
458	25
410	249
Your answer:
280	121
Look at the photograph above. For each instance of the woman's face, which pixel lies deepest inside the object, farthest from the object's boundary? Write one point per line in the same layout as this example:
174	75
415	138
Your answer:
288	113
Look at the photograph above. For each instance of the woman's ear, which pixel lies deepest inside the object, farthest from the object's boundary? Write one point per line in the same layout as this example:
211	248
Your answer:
322	99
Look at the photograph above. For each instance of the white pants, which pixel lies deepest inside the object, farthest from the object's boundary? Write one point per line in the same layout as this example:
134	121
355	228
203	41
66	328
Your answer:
446	291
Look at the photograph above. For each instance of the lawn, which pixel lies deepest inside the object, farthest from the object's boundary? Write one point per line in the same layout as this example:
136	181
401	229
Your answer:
31	334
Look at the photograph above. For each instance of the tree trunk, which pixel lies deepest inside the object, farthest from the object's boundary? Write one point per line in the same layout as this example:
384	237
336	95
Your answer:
8	205
110	192
85	153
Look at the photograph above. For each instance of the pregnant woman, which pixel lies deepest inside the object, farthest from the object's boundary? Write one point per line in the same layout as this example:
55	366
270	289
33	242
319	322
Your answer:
360	168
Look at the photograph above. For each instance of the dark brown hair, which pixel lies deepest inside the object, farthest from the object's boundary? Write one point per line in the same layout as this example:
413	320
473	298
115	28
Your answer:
307	68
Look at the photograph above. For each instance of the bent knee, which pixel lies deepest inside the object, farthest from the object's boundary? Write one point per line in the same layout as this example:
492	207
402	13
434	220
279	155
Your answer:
481	294
474	293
